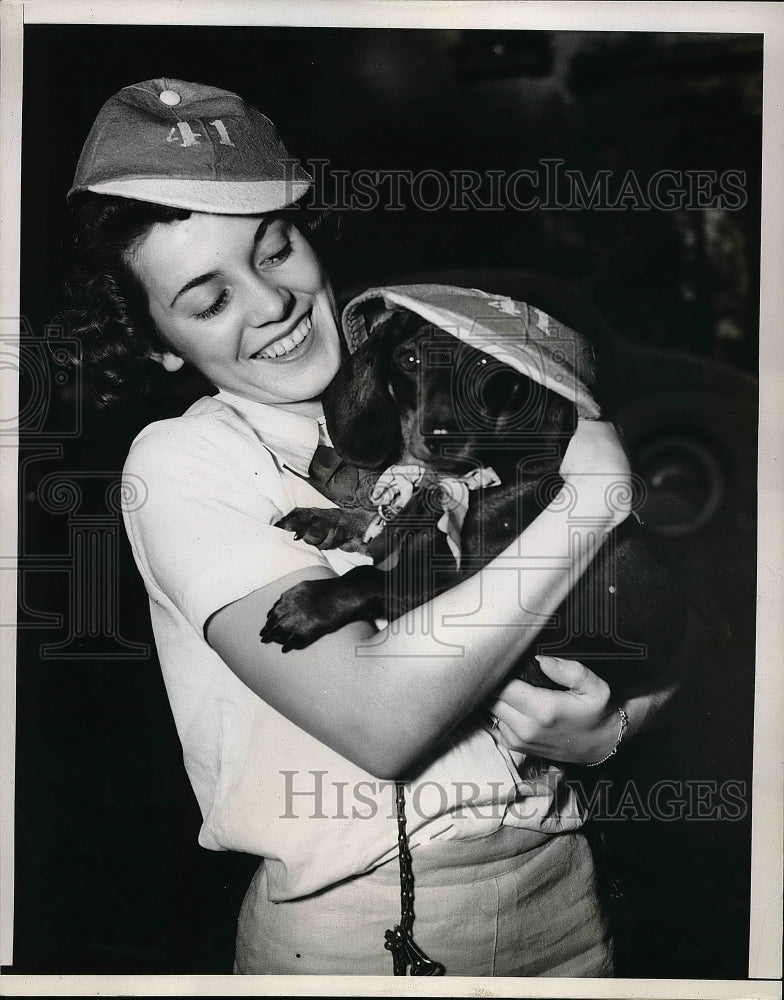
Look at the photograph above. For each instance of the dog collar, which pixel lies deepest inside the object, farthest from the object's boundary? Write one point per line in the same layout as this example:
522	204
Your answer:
395	488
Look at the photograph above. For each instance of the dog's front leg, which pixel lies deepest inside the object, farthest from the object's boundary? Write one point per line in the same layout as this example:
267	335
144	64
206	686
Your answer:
307	611
329	528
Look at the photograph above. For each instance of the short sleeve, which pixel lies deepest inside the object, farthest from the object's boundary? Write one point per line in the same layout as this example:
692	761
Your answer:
200	502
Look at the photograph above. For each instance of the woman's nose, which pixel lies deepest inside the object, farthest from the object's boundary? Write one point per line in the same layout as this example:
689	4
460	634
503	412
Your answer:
267	302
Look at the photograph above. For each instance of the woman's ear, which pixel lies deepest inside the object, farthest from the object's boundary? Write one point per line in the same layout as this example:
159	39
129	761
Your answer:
168	361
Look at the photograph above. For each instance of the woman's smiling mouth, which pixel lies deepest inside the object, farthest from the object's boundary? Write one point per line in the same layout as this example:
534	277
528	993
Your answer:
283	347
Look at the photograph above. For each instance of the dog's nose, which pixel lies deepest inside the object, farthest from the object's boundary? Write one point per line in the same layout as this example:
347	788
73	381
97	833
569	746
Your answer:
440	432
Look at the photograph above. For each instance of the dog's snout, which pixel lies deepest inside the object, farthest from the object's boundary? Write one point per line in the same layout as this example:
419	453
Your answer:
441	425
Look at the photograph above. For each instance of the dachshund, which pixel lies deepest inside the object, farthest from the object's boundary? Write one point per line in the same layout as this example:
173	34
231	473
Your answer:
446	417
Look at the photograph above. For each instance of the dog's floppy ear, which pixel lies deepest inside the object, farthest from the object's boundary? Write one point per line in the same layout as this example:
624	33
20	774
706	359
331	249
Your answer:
362	418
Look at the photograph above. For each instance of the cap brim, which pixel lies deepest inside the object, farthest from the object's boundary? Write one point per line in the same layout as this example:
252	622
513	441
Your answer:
215	197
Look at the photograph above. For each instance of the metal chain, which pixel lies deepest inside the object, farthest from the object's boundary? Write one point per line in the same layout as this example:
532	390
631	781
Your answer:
400	940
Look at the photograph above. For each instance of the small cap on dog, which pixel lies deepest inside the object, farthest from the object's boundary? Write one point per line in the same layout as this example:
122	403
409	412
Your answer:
190	146
522	336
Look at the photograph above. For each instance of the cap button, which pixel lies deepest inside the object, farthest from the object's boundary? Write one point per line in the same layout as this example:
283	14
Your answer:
170	97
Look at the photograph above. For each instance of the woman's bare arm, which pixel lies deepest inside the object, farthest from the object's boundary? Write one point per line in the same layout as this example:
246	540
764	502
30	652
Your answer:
382	700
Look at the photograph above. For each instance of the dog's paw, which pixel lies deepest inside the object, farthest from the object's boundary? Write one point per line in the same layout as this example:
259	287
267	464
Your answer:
330	528
299	615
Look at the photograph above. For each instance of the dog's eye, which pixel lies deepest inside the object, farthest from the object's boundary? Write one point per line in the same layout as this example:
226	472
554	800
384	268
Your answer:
480	362
408	361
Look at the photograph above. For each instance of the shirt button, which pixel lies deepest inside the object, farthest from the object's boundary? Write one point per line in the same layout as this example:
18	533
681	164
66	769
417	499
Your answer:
170	97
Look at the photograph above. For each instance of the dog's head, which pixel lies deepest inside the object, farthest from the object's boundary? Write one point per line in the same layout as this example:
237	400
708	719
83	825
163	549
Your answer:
413	392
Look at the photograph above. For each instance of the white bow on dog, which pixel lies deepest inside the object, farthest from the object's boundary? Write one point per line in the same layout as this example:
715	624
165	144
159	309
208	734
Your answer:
395	488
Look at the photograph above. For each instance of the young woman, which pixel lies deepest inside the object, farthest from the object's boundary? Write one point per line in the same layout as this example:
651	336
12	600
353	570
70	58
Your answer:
188	251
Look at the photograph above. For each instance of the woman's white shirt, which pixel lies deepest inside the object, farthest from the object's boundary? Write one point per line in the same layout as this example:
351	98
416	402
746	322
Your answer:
202	493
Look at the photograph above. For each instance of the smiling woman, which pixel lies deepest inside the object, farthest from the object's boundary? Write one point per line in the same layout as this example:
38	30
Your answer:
185	254
119	245
246	301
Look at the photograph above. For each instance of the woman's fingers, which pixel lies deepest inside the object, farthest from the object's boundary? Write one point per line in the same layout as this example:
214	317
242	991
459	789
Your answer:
575	676
519	707
506	735
515	729
579	681
569	725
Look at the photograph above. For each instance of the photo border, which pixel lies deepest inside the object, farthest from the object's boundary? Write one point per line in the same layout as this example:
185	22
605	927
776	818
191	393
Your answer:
768	782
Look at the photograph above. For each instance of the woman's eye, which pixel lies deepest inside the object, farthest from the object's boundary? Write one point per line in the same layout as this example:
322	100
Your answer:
216	306
408	361
270	260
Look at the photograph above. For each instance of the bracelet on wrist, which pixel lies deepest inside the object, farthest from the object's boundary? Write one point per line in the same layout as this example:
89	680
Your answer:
621	731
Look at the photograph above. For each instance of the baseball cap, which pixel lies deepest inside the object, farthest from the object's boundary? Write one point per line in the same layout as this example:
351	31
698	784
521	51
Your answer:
189	146
520	335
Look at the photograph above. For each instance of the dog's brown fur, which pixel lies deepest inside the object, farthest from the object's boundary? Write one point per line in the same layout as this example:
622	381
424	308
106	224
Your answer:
626	615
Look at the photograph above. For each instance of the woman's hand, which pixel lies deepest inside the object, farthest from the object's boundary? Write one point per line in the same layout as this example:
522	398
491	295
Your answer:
596	467
403	705
578	726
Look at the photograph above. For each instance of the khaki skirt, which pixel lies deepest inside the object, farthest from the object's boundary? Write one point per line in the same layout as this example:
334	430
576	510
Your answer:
480	908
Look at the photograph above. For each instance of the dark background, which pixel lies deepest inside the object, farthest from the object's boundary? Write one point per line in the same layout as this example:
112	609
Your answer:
109	878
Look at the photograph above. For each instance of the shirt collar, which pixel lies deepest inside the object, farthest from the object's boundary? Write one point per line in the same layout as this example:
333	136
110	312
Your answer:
291	437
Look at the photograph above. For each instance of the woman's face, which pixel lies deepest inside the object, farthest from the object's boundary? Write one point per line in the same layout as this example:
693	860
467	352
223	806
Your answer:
245	300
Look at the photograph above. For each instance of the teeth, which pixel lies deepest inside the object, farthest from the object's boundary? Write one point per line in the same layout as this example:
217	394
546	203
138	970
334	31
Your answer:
287	344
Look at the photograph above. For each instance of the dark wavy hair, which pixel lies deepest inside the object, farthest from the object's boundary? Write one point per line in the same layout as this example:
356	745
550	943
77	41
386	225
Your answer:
107	309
